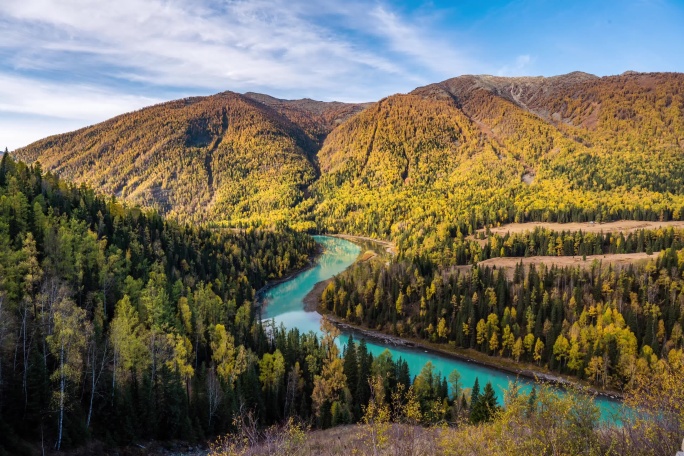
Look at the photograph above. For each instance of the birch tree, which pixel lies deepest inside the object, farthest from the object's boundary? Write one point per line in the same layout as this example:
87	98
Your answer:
67	344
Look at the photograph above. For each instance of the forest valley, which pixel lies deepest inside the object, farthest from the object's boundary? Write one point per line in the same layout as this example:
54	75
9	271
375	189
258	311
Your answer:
133	317
117	325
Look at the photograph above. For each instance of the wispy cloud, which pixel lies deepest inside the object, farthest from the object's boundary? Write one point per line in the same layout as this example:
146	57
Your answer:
518	68
64	101
132	50
32	109
76	61
431	52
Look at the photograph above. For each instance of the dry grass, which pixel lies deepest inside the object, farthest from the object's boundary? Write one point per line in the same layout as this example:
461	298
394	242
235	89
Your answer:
404	440
367	255
622	226
509	263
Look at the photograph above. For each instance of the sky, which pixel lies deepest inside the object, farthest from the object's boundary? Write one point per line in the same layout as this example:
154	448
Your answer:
66	64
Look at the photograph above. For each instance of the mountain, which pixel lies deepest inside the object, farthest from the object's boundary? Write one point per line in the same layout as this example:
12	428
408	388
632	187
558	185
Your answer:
475	150
419	168
207	158
317	118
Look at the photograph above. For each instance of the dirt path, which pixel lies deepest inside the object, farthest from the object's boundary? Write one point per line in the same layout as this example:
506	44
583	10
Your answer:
509	263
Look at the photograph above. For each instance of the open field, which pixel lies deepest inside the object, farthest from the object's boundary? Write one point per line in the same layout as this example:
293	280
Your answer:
624	226
509	263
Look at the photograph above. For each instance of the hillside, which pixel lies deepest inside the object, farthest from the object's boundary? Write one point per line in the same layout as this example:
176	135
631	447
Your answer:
122	325
479	150
109	315
317	118
418	168
209	158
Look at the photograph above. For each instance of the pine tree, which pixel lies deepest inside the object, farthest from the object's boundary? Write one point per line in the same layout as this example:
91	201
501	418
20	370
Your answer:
532	402
485	407
362	394
475	393
351	365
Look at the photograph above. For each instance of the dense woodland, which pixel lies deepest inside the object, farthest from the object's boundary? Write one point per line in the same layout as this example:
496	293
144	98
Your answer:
113	320
424	169
118	324
598	323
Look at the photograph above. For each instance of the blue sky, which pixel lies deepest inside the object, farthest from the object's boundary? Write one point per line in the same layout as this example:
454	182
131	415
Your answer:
65	64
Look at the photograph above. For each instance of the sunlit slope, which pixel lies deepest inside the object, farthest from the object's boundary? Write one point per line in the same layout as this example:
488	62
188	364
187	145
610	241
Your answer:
418	168
477	150
223	157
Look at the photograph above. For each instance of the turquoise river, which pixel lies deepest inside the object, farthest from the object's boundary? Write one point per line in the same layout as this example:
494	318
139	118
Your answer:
284	304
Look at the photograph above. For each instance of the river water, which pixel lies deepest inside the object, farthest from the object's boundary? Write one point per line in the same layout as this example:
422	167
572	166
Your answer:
284	304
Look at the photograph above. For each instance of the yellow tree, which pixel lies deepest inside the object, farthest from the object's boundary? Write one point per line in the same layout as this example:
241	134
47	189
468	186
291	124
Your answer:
575	356
130	350
517	350
182	353
538	350
331	381
376	415
442	328
400	304
528	342
271	370
658	396
561	348
230	362
481	331
508	339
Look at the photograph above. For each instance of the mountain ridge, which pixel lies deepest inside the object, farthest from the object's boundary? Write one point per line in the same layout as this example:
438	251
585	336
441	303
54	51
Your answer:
445	158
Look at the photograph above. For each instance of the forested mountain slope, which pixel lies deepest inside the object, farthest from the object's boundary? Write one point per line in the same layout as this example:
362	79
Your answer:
206	158
479	150
419	168
317	118
110	315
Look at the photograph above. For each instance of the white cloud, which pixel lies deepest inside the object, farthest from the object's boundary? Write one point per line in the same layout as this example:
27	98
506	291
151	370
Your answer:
191	44
518	68
21	131
65	101
32	109
101	56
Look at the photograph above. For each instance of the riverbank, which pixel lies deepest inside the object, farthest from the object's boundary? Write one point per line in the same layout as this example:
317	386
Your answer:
313	297
389	247
471	356
313	258
311	304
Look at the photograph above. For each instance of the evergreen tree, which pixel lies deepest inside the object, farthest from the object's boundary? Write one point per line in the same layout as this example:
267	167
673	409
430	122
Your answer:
475	393
485	407
532	401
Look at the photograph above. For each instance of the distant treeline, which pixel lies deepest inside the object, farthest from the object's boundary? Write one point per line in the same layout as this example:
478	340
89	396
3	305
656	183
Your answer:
546	242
